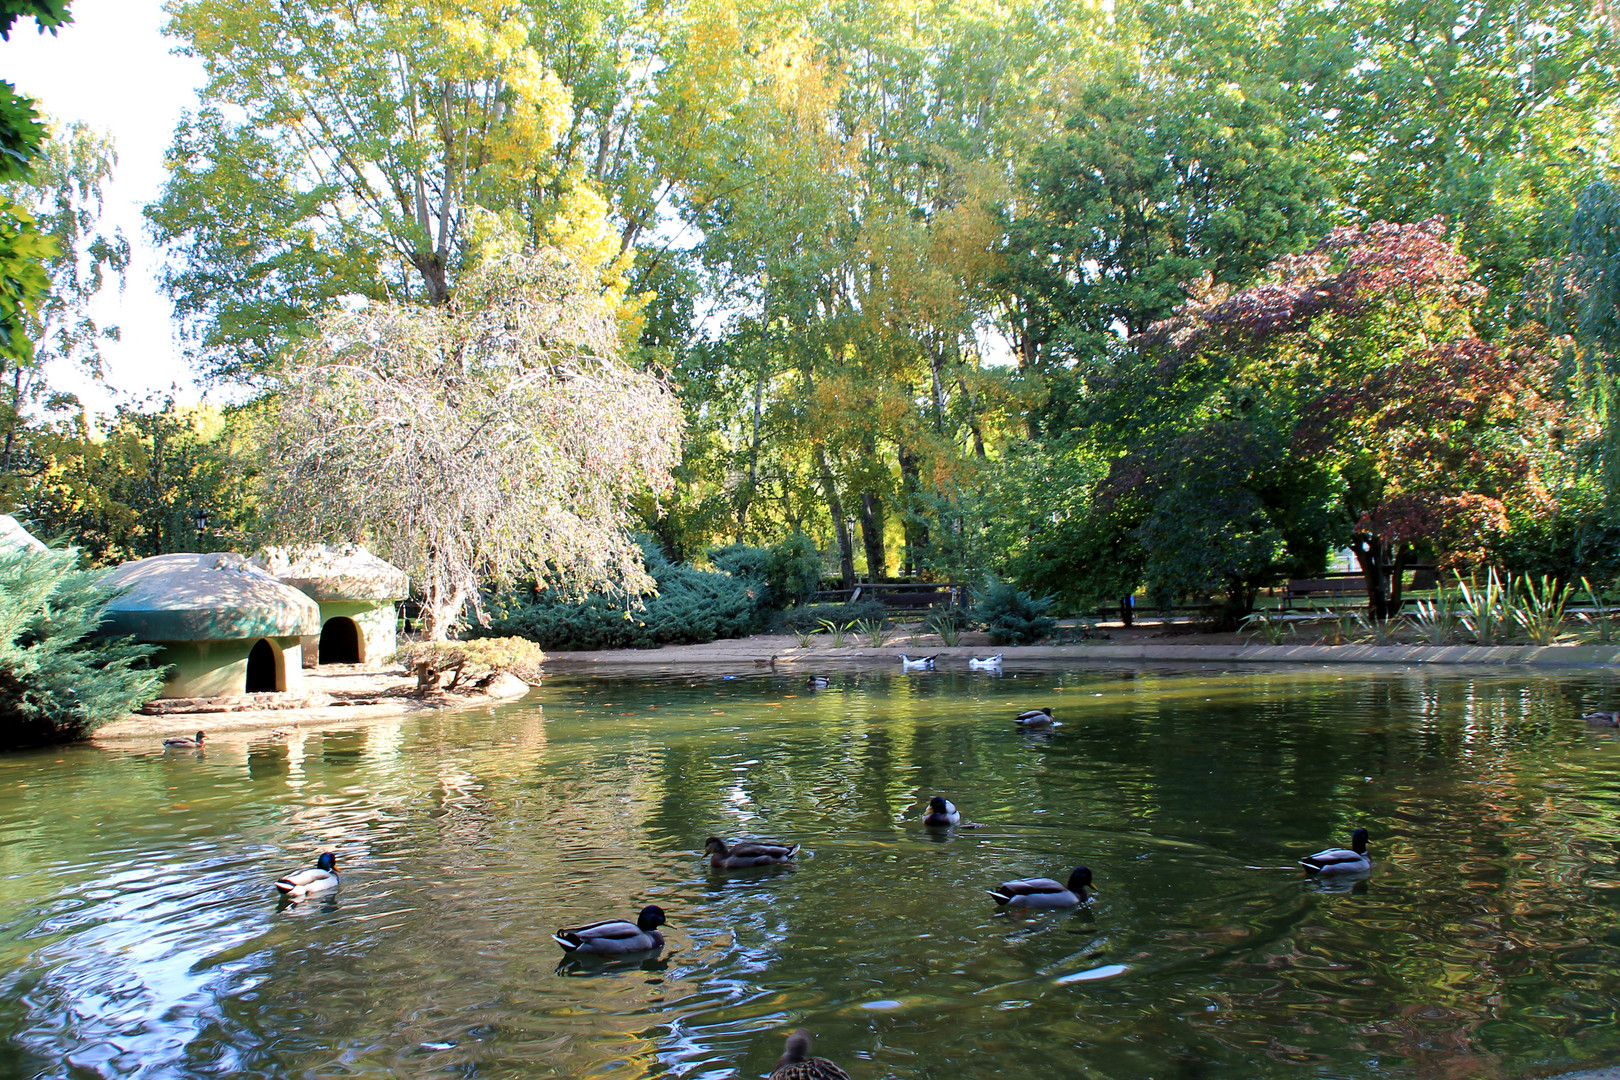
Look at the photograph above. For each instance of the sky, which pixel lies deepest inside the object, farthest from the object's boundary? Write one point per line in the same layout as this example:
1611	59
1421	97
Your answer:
112	68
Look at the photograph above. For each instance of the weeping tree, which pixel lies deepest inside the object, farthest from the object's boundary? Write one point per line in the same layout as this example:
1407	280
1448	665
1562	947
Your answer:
496	437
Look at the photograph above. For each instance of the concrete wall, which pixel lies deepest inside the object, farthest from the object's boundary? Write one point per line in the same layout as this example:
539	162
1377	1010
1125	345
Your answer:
378	623
219	668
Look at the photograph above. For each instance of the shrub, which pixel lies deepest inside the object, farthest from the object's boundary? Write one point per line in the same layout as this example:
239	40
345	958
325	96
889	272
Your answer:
480	658
1013	617
810	616
795	570
58	682
691	606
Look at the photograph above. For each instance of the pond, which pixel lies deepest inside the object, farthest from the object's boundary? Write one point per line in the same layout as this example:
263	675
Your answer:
140	935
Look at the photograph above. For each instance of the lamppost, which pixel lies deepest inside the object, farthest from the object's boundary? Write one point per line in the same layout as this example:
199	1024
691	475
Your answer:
200	519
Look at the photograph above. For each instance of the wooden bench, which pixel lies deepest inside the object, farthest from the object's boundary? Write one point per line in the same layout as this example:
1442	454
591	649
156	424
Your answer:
1329	587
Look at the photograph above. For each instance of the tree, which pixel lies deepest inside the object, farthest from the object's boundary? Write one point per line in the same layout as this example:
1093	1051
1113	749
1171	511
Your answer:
1365	347
58	681
496	436
63	195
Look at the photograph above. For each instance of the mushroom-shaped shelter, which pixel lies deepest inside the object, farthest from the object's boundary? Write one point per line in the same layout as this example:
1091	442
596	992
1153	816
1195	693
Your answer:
225	625
13	536
356	591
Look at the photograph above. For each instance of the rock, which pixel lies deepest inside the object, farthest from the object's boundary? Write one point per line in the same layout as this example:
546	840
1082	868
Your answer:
505	687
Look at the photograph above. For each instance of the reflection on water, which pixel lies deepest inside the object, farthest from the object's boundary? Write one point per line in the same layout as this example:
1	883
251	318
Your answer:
139	934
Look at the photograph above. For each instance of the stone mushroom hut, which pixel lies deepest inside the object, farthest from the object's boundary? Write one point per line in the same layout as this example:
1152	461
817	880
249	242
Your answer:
225	625
14	536
356	591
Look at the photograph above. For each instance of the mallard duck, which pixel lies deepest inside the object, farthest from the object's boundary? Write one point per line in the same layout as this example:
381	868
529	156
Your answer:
817	682
1601	719
985	663
747	853
1044	892
942	813
771	663
797	1064
1337	860
917	663
614	937
1034	718
304	883
182	741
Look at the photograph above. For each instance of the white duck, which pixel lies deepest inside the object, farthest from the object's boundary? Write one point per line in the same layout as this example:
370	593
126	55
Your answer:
986	663
917	663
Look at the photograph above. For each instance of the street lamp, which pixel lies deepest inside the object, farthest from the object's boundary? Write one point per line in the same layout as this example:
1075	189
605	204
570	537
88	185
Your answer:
200	519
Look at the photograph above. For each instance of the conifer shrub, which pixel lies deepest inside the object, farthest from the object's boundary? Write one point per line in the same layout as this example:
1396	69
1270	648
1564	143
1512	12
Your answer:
1012	616
58	680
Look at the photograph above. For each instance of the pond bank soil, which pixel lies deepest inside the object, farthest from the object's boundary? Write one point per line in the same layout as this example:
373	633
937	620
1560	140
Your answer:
1114	643
335	692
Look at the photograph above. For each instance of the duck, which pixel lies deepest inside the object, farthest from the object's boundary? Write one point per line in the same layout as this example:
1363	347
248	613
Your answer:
771	663
182	741
1044	892
1334	862
942	813
322	877
985	663
797	1064
1601	719
614	937
1034	718
817	682
747	853
917	663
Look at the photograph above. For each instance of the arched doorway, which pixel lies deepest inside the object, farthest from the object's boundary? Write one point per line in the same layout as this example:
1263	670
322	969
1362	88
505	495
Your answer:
340	642
264	669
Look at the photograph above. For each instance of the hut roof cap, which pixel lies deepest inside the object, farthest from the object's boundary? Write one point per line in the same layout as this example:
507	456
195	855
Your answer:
335	572
214	597
13	536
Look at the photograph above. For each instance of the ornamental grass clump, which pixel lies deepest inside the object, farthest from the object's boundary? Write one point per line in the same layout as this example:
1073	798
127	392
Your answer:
1600	618
1486	609
1540	610
1437	619
1267	625
875	631
948	625
58	680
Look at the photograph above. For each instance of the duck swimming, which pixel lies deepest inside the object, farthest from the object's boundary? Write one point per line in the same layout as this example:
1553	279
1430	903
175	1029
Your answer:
182	741
1044	892
817	682
615	937
746	854
917	663
987	663
1335	861
941	813
1034	718
797	1064
1601	719
301	884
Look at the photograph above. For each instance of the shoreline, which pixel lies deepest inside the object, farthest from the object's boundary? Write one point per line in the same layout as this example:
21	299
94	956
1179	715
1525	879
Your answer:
787	653
331	685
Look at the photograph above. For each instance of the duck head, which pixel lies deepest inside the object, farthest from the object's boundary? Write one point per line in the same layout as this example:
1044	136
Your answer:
327	862
200	738
1080	881
797	1049
938	805
651	917
714	846
1358	841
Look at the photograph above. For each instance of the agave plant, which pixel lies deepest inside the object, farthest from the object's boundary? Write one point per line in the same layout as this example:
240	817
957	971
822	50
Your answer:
1486	609
1540	613
1343	626
1437	619
875	631
805	637
839	631
948	625
1600	618
1383	631
1267	625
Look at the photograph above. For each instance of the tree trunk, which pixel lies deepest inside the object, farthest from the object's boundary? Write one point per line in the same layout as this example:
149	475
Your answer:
835	507
746	496
877	561
431	267
914	521
1384	582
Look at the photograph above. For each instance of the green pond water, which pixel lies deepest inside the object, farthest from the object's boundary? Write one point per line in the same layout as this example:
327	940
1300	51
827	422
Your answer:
140	935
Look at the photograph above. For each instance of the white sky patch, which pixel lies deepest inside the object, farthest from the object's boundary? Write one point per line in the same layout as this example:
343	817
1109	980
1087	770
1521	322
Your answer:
112	68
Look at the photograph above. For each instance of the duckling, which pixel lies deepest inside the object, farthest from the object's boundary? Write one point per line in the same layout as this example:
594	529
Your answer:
305	883
185	742
771	663
1337	861
985	663
747	853
817	682
1034	718
917	663
942	813
1044	892
1601	719
797	1064
614	937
